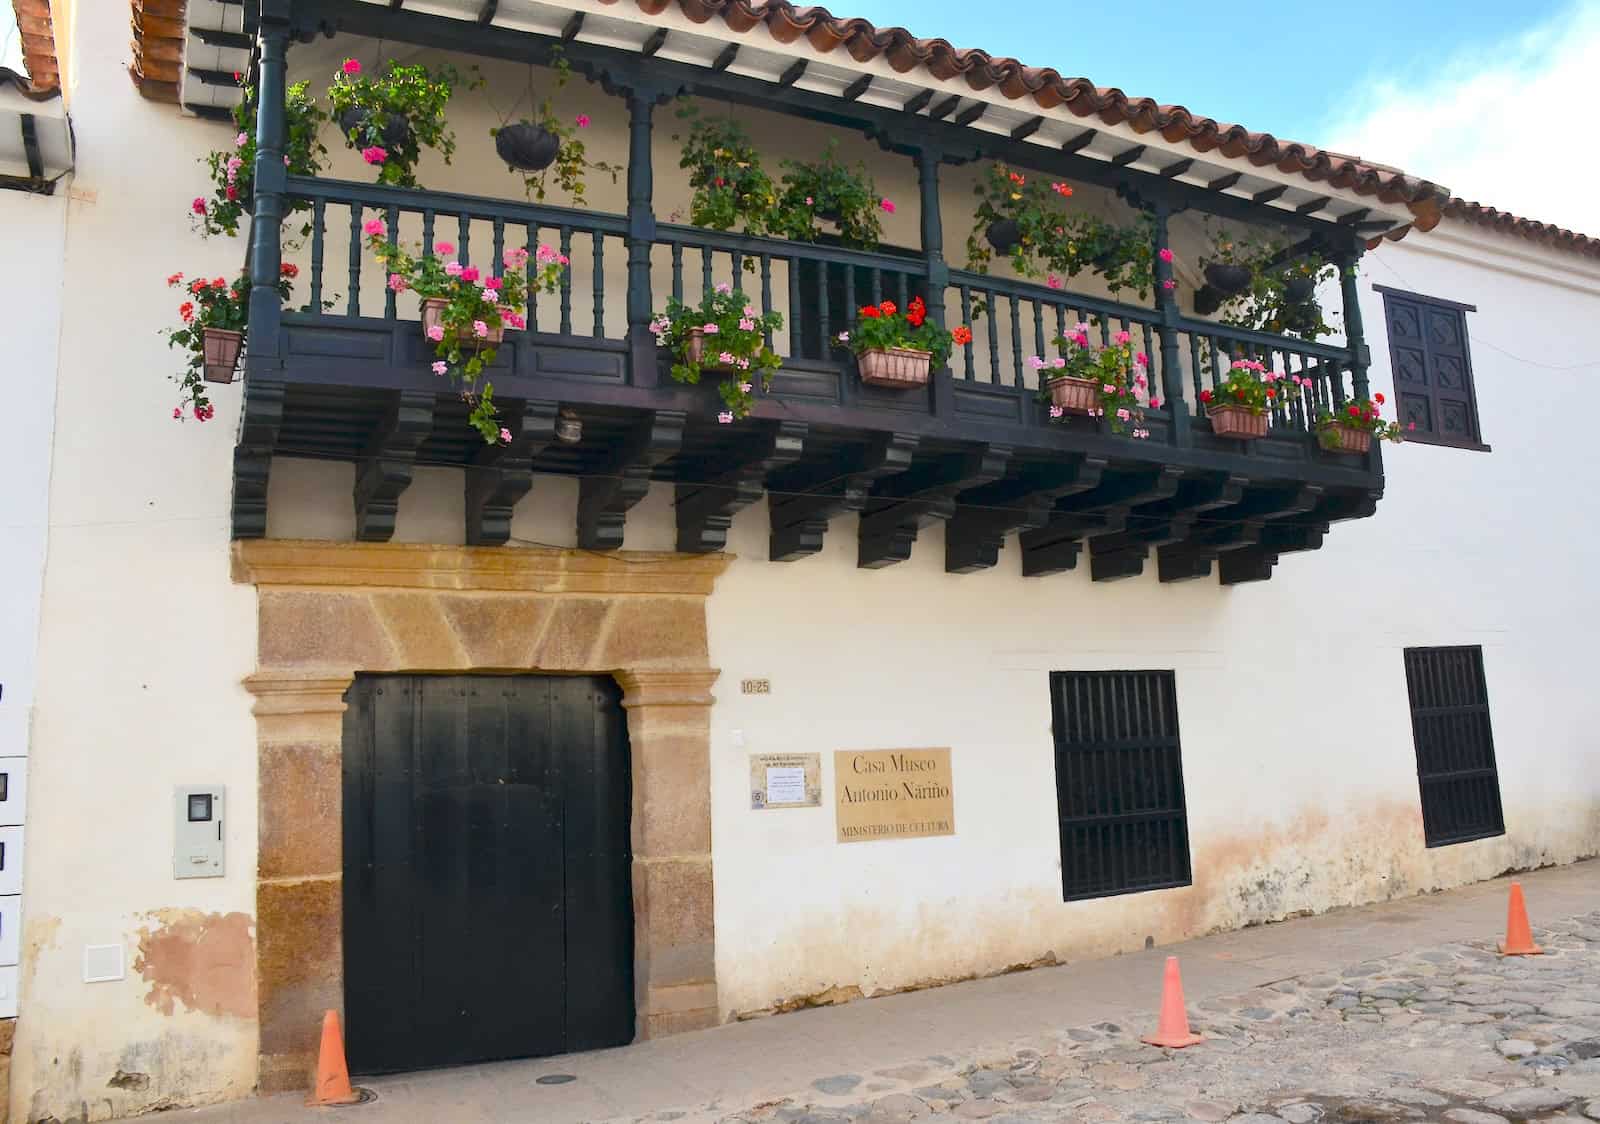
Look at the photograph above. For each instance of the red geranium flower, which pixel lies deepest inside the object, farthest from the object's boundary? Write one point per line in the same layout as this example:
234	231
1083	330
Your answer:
289	270
1378	398
887	308
1205	396
870	311
917	312
1355	411
961	335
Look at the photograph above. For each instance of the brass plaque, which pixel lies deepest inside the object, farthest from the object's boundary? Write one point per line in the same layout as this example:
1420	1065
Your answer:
893	794
785	780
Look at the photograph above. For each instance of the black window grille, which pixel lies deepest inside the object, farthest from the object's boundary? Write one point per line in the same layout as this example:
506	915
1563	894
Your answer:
1119	782
1437	402
1455	746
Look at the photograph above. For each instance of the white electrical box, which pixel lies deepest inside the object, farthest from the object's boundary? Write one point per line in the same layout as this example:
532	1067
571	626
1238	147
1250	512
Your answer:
197	850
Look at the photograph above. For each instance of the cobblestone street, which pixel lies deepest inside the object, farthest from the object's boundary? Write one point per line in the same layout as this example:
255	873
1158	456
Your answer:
1450	1033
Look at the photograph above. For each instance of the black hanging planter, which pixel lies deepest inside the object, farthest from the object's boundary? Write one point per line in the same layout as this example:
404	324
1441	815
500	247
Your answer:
1003	235
396	130
828	214
1299	289
1227	279
1206	300
527	147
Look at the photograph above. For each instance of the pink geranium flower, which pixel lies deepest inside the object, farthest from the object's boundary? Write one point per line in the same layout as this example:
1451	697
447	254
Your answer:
241	140
480	329
198	206
444	247
452	269
436	333
505	436
352	66
397	283
1122	337
470	273
725	417
1166	254
375	154
887	205
373	227
440	367
709	329
494	283
583	120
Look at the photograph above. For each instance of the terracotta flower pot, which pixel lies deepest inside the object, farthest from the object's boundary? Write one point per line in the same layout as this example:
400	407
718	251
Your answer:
1348	438
1229	279
1075	396
433	316
1237	422
527	147
221	353
697	351
899	368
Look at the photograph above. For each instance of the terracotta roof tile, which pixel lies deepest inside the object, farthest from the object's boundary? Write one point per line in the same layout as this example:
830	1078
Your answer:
1549	234
158	38
1048	89
38	43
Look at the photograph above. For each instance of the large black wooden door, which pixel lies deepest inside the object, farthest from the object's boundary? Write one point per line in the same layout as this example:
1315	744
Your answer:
487	886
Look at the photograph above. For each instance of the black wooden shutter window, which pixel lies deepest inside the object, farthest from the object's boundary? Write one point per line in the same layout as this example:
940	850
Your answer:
1455	746
1432	369
1119	782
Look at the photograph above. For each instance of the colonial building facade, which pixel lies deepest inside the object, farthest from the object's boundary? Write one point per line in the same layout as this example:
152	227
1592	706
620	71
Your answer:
650	712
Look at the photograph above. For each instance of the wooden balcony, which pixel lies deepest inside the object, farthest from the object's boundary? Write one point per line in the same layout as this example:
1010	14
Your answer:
976	449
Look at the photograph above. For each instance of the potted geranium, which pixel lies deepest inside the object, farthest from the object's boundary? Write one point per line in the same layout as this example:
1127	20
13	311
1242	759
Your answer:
391	118
1238	407
466	314
1104	382
215	314
831	191
533	145
725	172
1352	428
233	169
724	333
897	349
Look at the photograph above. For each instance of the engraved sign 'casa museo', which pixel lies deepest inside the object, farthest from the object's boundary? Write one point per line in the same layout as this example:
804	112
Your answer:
893	794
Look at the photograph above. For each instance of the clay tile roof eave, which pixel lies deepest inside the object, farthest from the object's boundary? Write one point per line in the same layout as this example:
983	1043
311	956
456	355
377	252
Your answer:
158	36
1549	234
37	33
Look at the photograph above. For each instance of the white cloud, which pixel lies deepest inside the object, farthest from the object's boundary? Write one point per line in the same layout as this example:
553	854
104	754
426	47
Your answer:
10	39
1510	124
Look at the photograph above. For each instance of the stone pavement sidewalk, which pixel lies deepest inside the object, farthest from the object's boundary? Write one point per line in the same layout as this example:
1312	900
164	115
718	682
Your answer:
1393	1012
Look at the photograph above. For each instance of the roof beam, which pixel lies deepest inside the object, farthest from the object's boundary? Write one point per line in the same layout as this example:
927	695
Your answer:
1176	168
1354	217
1027	128
857	88
1222	183
1128	156
1082	140
1269	194
945	108
917	101
725	59
216	37
792	75
1311	206
970	114
570	30
486	13
657	40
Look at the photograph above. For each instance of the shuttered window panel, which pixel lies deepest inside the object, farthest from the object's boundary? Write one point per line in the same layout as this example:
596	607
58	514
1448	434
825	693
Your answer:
1119	783
1436	402
1455	745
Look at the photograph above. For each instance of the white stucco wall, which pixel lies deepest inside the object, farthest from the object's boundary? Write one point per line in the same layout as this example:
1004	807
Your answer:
1297	747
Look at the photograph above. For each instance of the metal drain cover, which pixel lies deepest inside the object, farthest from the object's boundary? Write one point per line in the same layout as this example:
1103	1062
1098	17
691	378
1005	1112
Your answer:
554	1079
363	1096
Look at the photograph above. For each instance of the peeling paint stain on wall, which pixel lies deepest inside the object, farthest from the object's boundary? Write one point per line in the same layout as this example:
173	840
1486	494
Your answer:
38	936
204	961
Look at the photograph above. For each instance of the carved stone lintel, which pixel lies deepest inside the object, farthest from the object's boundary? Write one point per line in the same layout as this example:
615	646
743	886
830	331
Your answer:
799	522
384	471
501	475
705	511
605	498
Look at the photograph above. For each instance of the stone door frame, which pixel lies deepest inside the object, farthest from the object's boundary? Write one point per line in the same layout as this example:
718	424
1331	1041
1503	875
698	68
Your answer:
328	610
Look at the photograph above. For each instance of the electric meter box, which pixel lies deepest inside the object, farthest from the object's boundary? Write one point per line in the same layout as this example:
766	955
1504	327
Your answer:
197	850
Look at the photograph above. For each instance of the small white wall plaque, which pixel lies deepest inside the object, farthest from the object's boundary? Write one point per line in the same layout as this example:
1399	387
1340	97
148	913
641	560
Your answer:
785	780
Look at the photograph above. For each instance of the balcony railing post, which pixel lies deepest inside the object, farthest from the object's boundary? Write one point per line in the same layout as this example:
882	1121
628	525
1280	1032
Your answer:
938	280
641	233
266	223
1355	336
1167	306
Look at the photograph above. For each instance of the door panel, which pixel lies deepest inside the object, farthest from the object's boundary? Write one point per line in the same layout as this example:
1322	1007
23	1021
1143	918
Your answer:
488	906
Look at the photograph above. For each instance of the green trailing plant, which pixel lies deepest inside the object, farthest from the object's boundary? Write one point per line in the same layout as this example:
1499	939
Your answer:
1363	414
214	303
730	187
572	163
832	191
389	119
1119	376
1267	302
475	311
1026	221
725	333
233	169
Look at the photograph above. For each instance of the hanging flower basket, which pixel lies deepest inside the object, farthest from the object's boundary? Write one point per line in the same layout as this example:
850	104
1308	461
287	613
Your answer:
1237	422
396	130
1345	438
433	316
1075	396
527	147
221	350
1228	279
1299	289
898	368
1003	235
1206	300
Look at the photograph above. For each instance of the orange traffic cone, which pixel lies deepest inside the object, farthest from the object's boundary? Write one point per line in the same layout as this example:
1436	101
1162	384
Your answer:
1173	1028
1519	937
333	1077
